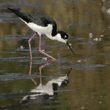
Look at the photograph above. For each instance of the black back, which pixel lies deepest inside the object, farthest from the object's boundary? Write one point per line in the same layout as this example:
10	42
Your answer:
39	19
25	16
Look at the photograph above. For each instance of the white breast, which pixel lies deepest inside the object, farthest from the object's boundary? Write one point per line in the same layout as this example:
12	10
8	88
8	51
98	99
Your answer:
40	29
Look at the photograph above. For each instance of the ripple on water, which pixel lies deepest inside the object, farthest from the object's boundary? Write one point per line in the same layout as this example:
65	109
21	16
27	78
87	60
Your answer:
83	67
87	43
16	76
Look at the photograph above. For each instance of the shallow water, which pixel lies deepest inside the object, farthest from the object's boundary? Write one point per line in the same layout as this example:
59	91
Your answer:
88	25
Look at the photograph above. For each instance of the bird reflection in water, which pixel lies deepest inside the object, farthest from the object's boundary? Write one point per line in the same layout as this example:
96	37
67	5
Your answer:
42	66
47	91
41	24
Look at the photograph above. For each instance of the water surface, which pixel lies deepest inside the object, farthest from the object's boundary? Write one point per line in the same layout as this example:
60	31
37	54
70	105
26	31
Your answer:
87	24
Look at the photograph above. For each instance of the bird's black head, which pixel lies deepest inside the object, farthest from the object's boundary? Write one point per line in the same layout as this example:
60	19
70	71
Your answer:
63	37
64	83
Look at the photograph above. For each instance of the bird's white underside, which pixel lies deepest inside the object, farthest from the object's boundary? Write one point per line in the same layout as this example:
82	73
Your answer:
40	29
46	89
44	30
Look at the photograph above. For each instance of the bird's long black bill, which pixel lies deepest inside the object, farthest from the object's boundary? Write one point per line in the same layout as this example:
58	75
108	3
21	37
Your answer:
70	48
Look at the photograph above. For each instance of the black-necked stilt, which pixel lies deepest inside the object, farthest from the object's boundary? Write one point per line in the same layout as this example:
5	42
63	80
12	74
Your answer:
42	24
50	88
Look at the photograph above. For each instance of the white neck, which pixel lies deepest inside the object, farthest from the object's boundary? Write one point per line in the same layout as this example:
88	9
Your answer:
50	36
56	37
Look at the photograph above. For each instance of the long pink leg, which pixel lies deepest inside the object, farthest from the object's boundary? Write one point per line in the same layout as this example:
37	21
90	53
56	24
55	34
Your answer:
44	52
40	68
29	41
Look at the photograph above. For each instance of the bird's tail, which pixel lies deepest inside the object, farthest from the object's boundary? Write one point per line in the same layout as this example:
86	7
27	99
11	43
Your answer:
23	15
13	10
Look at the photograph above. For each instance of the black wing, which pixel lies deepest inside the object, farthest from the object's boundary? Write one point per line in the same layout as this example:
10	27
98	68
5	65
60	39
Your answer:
39	19
25	16
47	20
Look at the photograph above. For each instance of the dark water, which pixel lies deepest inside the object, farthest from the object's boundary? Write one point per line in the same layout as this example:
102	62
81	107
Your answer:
88	25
